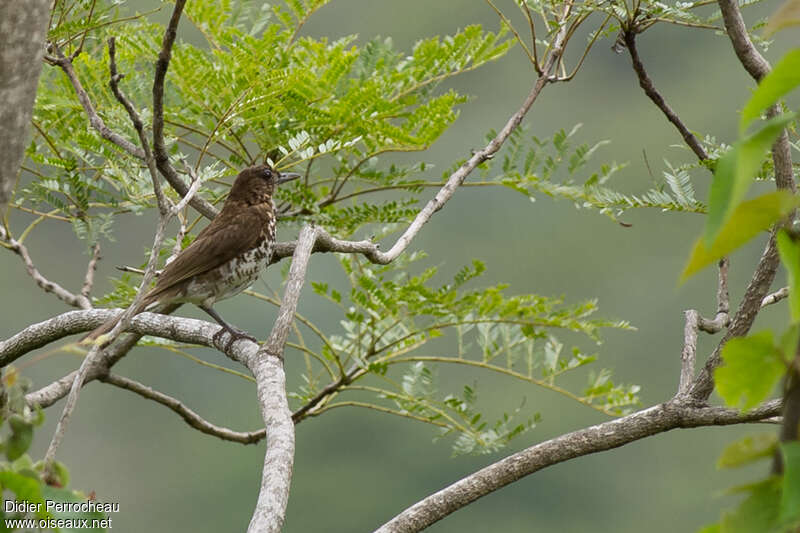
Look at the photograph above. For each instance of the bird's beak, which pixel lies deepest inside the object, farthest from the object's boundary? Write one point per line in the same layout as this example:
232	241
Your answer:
283	177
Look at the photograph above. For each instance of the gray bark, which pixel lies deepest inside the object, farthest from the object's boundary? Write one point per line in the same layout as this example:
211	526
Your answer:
23	29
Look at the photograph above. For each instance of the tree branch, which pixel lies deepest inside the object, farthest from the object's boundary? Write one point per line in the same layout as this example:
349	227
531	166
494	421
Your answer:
749	56
605	436
22	42
91	268
743	318
267	367
189	416
689	353
94	119
159	148
370	250
75	300
186	330
756	291
650	90
775	297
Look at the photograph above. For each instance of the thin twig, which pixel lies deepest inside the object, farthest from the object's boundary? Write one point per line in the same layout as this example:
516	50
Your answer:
650	90
514	31
526	10
189	416
159	148
689	353
586	50
78	50
94	119
91	268
775	297
326	243
75	300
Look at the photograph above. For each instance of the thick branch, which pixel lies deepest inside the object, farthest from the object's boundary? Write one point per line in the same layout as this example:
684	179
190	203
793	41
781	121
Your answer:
743	319
75	300
22	42
267	367
601	437
189	416
751	59
764	275
180	329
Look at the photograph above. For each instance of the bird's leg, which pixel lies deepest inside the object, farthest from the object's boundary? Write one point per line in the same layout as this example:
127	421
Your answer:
234	332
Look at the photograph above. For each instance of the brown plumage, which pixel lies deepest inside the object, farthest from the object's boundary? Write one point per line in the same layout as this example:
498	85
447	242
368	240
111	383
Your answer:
227	256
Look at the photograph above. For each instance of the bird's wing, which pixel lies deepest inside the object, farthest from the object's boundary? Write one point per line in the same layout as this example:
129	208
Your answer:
215	245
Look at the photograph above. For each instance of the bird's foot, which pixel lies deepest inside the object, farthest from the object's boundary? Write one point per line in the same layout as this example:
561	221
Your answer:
234	335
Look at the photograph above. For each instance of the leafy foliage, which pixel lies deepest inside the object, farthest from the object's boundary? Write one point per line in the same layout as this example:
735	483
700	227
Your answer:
752	367
257	89
532	166
19	475
392	318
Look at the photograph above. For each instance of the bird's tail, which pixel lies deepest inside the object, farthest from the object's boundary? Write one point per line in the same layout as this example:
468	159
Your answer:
109	324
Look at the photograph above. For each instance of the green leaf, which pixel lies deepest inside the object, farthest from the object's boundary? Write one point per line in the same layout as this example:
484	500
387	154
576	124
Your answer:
747	450
781	80
789	341
20	439
759	512
789	251
752	366
748	220
24	487
790	497
57	494
735	171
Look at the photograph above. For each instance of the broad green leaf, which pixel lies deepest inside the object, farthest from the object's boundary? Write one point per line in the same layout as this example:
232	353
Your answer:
56	494
758	513
784	78
748	220
20	439
789	251
752	366
24	487
747	450
735	171
790	497
713	528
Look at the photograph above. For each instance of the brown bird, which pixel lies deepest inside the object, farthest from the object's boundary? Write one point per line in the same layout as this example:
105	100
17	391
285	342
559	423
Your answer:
226	257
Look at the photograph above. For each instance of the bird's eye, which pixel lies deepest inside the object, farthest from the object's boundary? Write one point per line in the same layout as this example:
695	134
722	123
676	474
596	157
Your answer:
267	174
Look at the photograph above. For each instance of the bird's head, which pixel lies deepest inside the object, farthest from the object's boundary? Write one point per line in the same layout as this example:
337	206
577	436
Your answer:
257	184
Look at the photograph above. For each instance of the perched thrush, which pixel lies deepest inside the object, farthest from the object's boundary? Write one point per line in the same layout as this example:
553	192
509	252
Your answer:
227	256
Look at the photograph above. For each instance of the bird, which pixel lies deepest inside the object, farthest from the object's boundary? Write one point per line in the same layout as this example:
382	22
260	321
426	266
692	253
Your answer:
227	256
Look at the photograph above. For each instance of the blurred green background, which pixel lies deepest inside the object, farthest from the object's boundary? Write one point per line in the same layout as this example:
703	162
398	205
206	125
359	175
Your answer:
355	469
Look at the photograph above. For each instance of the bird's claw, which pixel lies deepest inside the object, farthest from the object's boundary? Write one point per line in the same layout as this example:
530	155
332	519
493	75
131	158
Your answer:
235	335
